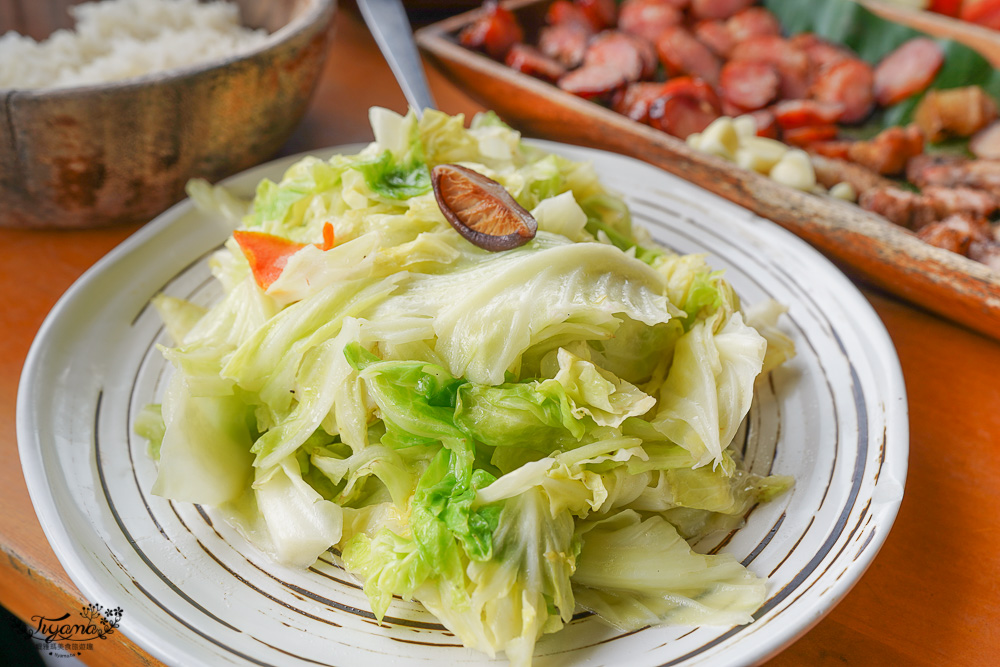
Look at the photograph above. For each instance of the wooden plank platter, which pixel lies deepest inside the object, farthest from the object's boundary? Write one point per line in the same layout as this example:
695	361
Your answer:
982	39
886	254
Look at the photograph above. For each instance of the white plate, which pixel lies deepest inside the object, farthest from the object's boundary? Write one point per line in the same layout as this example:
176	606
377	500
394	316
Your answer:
194	593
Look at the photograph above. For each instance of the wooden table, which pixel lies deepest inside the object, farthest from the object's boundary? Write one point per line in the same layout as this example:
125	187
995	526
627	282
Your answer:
932	596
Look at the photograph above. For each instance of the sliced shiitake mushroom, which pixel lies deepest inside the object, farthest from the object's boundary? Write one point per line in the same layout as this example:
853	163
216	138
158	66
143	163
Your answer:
480	209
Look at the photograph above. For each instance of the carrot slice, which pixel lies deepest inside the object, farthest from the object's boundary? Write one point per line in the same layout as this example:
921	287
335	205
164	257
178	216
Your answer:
266	253
328	237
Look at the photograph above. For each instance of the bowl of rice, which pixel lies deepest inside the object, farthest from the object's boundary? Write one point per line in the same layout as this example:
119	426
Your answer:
108	108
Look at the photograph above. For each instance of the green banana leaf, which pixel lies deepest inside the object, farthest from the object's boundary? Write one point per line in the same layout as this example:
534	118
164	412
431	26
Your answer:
872	38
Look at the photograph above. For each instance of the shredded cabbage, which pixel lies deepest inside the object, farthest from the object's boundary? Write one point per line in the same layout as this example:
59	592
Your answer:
501	436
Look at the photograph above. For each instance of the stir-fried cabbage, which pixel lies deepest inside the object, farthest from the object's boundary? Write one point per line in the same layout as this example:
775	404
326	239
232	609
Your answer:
504	437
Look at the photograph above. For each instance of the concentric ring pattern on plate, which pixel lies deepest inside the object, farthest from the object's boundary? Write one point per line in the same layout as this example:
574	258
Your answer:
193	592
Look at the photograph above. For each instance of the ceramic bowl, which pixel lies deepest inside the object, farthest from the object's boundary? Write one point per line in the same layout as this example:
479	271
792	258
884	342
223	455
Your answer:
121	152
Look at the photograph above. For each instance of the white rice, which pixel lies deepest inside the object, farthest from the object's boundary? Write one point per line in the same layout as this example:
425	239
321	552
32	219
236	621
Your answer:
122	39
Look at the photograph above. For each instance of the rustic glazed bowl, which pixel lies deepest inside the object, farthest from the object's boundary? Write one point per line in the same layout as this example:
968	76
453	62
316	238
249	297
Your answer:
121	152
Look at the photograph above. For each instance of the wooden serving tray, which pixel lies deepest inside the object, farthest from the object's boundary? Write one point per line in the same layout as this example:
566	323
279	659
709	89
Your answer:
984	40
888	255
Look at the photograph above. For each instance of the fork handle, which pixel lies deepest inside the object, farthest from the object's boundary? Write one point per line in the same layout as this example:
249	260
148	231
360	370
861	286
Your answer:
391	29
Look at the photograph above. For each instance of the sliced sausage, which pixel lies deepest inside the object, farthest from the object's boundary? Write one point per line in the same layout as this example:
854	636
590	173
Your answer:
821	52
681	53
749	85
791	62
986	142
791	114
717	9
694	87
495	31
715	36
565	42
593	82
617	49
648	18
601	13
731	110
849	83
533	62
650	59
633	100
564	12
908	70
681	115
753	22
803	137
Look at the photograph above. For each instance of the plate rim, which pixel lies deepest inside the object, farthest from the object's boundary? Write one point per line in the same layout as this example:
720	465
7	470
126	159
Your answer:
75	563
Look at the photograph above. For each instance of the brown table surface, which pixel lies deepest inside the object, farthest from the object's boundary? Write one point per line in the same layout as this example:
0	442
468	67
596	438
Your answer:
931	597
